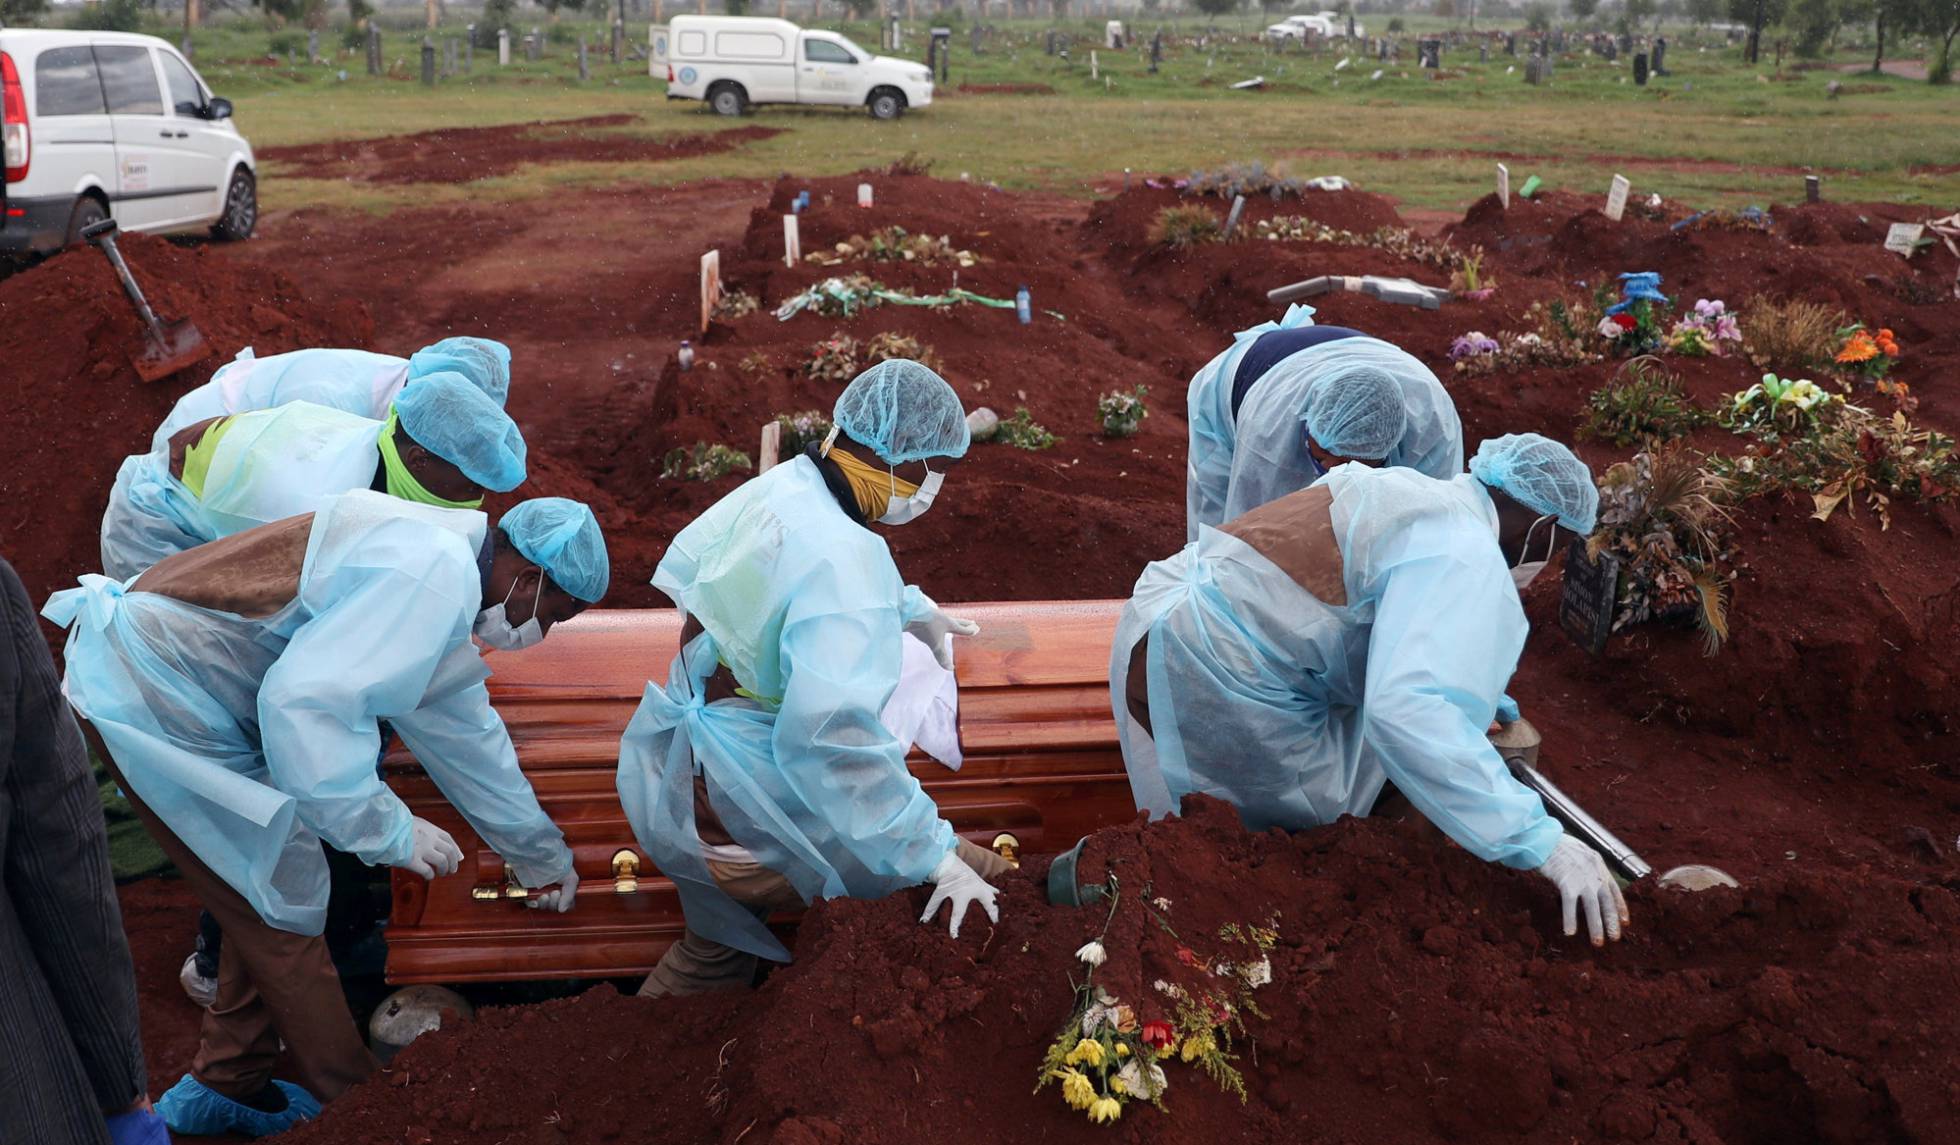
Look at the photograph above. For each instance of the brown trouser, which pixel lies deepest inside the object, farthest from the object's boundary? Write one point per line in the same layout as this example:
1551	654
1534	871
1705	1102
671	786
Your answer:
696	965
273	986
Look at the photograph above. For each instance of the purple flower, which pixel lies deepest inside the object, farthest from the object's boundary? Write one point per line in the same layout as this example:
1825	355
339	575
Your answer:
1726	329
1473	345
1707	309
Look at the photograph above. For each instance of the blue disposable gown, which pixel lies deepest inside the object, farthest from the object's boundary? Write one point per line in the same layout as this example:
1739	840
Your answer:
1297	711
352	381
1238	464
255	738
807	610
271	464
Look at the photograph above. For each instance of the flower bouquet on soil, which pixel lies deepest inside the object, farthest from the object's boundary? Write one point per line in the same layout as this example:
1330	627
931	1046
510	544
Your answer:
1631	326
1113	1052
1710	330
1775	408
1866	354
1664	516
1122	412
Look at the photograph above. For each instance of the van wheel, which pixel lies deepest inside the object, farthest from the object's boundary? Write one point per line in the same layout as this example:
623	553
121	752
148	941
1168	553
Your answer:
886	104
88	211
728	99
241	209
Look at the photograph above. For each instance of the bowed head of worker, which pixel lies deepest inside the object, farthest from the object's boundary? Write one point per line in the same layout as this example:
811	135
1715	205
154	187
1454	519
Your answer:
895	432
481	362
1544	496
547	563
445	443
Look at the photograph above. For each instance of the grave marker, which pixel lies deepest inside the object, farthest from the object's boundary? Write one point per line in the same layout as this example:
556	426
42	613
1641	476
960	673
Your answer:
1813	188
1586	597
428	62
1904	238
710	287
864	194
503	47
1504	186
771	449
1092	65
1616	198
792	241
1232	219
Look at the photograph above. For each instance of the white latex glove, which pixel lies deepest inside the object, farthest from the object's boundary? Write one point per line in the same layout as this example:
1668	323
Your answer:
956	883
560	898
934	627
431	853
1581	876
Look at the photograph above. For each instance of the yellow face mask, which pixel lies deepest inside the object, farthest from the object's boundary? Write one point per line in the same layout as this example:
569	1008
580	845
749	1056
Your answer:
872	489
402	483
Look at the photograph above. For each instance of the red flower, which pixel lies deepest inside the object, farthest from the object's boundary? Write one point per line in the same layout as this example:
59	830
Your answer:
1187	956
1159	1035
1625	321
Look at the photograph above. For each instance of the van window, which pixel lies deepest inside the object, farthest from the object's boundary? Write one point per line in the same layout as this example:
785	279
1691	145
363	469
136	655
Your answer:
749	46
65	83
825	52
129	80
186	98
693	44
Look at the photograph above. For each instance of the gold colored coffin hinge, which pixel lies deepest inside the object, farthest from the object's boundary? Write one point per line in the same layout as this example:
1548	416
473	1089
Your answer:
626	872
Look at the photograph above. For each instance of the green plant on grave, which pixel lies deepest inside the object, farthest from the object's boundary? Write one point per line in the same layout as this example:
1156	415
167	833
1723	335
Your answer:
703	462
1794	335
806	427
1845	453
1644	405
1235	179
1181	228
753	363
1022	432
910	163
835	358
1663	515
1122	412
1777	408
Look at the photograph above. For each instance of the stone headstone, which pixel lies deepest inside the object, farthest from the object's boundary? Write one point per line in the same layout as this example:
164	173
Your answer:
1813	188
1640	69
1660	56
583	73
1903	238
1616	198
313	45
503	47
428	62
1587	597
1232	217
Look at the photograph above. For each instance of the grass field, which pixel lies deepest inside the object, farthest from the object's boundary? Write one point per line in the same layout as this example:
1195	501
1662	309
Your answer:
1714	132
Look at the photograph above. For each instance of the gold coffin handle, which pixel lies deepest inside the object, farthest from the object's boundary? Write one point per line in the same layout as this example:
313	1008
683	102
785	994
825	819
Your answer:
626	872
510	888
1008	847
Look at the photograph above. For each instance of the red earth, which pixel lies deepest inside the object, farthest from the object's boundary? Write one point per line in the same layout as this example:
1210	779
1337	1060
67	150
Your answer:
1419	995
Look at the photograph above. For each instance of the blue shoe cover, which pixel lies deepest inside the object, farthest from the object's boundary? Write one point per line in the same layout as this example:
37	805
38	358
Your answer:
195	1109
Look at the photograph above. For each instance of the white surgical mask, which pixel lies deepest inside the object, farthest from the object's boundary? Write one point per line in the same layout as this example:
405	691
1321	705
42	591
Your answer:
495	630
901	510
1525	572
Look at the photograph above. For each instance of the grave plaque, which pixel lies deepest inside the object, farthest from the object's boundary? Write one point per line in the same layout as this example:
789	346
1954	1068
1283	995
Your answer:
710	287
1616	198
1232	219
1586	597
792	242
1904	238
1504	186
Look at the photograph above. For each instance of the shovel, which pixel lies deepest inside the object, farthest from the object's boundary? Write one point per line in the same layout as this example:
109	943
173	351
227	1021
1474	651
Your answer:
168	347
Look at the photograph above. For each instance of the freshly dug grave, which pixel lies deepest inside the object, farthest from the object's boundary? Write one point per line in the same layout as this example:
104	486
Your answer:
1418	995
466	154
67	334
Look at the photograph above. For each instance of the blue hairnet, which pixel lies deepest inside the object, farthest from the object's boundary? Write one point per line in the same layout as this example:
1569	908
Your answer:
562	537
1540	474
904	411
485	363
1356	411
452	419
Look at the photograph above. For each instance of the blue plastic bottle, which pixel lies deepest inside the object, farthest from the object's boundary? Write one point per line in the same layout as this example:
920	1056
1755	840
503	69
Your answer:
1023	308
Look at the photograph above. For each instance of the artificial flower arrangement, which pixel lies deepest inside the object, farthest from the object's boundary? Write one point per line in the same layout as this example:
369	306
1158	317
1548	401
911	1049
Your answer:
1867	354
1475	344
1778	407
1664	516
1122	412
1632	325
1709	330
1468	280
1112	1052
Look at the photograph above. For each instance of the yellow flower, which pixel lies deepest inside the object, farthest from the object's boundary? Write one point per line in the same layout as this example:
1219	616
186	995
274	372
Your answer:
1088	1052
1116	1086
1105	1109
1122	1050
1189	1051
1076	1089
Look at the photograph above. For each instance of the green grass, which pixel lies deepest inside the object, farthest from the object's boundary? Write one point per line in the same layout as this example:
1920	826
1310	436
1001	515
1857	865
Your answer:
1712	133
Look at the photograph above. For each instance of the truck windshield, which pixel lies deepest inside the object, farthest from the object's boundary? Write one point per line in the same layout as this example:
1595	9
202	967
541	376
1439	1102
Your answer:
856	51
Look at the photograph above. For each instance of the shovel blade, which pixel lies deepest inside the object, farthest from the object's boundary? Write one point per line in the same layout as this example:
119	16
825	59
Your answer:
175	346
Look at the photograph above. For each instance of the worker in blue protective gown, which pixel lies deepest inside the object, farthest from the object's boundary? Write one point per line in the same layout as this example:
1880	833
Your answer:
442	443
1289	400
234	691
352	381
760	776
1359	632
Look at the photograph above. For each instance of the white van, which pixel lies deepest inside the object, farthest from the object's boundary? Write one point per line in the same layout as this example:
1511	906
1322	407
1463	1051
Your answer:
103	125
735	62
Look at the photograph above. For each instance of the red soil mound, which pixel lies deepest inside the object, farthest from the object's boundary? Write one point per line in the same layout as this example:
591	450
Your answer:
77	407
1418	995
465	154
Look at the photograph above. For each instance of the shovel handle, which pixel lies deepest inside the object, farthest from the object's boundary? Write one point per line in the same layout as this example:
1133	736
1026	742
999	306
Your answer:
97	229
103	235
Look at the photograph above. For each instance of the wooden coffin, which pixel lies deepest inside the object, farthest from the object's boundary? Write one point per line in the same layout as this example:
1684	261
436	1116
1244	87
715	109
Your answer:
1042	765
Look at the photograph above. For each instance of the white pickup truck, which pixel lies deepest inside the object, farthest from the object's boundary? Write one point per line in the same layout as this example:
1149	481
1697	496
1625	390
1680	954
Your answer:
736	62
